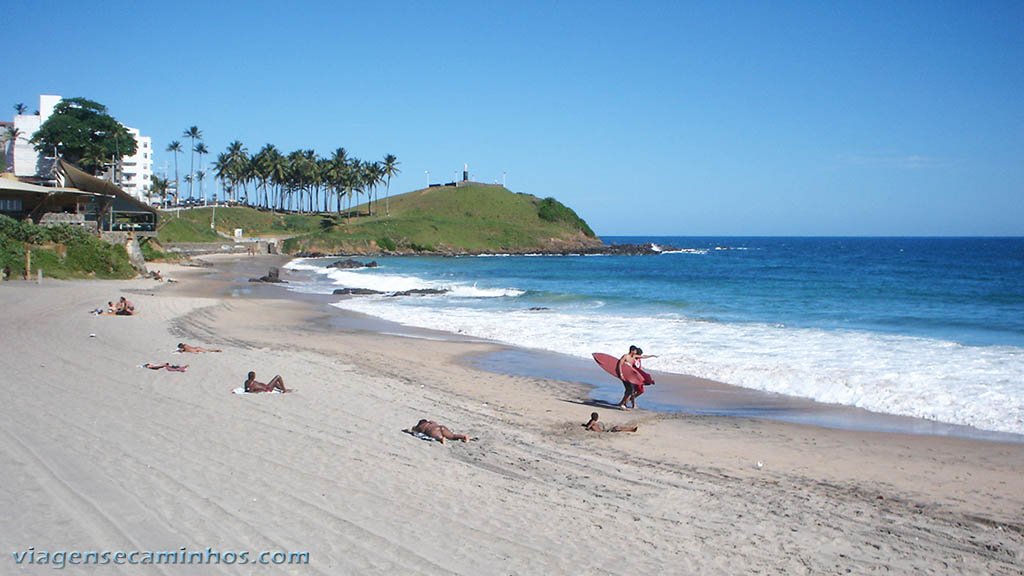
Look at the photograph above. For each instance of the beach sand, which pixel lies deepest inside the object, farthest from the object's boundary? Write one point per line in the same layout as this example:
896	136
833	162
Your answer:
100	454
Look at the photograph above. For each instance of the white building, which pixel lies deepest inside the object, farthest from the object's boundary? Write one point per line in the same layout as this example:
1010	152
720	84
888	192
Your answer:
134	173
137	170
26	162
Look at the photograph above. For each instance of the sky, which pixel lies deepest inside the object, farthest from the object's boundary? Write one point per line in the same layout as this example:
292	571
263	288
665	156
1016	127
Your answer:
647	118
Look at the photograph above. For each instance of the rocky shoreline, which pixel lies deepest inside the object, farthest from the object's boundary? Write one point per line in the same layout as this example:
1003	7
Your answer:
605	250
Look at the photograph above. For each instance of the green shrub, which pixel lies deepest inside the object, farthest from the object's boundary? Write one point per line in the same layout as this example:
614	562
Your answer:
552	210
386	243
421	247
84	256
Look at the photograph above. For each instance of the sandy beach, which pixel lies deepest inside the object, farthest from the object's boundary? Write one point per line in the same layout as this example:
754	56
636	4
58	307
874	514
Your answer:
100	454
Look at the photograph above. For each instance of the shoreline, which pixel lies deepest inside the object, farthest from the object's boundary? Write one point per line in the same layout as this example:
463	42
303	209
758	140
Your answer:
159	458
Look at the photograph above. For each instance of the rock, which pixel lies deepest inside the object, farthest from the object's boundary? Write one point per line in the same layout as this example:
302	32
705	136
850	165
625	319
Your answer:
356	291
273	276
350	264
420	292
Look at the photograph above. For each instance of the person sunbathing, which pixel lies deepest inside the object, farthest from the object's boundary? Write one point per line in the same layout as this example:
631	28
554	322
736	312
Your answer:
253	387
595	426
438	432
124	307
182	347
169	367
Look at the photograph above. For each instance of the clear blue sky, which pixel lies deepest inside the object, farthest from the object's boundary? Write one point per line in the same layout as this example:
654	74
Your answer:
752	118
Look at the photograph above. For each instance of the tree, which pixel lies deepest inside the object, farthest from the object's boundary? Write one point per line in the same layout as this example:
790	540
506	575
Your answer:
201	176
238	168
9	136
193	133
82	132
159	188
336	173
175	147
201	149
20	108
390	169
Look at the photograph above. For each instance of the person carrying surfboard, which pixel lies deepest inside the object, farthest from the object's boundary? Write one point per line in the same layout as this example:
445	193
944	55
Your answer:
638	389
627	359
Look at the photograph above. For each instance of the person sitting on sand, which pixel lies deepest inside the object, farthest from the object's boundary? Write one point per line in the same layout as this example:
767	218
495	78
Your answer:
595	426
252	386
437	431
124	307
182	347
169	367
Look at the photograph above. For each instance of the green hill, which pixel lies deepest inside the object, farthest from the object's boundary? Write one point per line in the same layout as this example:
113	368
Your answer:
472	218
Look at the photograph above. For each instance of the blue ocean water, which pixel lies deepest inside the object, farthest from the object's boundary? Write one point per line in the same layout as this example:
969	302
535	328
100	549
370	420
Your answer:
925	327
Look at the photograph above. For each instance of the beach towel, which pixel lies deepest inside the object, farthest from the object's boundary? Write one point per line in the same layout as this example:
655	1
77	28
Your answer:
420	435
241	390
169	367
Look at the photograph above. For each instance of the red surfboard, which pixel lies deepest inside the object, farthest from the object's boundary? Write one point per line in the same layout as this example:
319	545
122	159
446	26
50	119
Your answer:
629	374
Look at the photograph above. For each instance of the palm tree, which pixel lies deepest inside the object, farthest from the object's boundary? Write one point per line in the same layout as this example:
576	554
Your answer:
336	174
193	133
175	147
373	175
390	169
20	108
201	176
159	187
201	149
265	165
10	136
323	170
188	180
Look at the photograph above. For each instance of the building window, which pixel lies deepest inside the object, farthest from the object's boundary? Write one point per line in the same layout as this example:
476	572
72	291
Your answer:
10	204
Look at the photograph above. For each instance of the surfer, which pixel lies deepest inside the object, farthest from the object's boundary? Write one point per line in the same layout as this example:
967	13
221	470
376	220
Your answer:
627	359
437	431
595	426
252	386
638	389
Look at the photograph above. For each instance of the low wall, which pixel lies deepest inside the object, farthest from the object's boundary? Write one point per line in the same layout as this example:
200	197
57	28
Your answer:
226	247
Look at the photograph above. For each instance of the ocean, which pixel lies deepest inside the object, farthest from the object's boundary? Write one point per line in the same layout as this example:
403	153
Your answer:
930	328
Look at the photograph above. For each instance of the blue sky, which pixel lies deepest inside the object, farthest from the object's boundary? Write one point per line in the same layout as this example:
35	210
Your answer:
719	118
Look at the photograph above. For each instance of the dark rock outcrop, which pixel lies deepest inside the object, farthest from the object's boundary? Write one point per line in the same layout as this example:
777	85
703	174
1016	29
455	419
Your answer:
350	264
356	291
273	276
420	292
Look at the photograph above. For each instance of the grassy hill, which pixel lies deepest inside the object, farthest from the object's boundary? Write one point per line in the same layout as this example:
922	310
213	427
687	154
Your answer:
472	218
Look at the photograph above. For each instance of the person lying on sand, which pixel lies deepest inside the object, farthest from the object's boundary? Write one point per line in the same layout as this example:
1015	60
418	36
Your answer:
169	367
436	431
276	383
182	347
595	426
124	307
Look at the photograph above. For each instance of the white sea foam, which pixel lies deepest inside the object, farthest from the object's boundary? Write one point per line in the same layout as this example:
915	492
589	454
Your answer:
943	381
375	279
698	251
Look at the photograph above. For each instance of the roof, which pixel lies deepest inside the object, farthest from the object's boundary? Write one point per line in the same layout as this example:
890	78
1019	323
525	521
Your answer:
68	175
8	185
